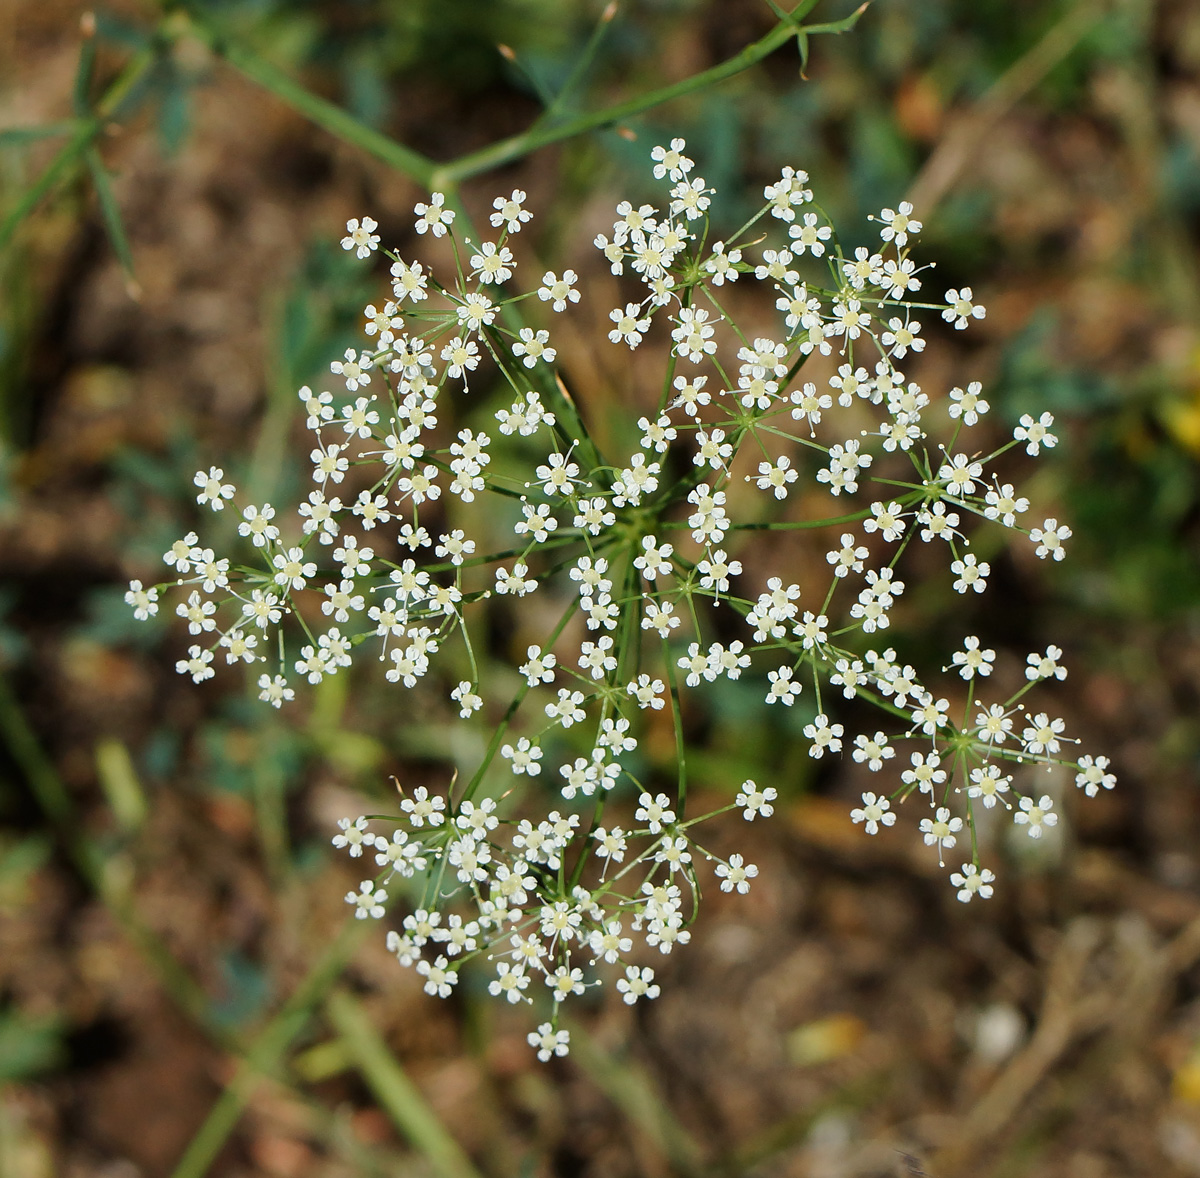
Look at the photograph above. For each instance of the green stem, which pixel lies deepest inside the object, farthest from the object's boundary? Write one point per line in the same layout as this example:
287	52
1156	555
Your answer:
328	115
516	146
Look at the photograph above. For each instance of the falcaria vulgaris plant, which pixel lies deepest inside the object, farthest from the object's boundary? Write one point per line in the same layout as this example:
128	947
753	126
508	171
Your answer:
632	566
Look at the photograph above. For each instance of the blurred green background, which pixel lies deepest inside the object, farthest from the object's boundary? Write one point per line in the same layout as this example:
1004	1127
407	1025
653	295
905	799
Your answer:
166	886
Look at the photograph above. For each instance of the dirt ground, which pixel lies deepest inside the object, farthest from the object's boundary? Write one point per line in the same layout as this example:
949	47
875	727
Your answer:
847	1019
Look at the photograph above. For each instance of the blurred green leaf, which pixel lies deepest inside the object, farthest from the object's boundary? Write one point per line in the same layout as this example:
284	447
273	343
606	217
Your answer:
28	1046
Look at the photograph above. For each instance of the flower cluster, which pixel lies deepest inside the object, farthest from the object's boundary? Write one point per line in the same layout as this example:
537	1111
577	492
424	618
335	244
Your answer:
637	561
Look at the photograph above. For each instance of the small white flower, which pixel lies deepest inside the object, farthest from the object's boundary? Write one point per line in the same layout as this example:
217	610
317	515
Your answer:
736	874
558	292
875	810
960	310
549	1042
940	831
367	901
973	882
361	237
1036	815
1049	539
434	217
510	212
1036	434
637	983
143	601
1093	775
212	490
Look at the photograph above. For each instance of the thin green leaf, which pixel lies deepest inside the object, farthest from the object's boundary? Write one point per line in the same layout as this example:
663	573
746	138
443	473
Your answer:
16	136
633	1091
62	163
112	220
580	68
536	84
265	1055
122	87
841	26
81	94
399	1096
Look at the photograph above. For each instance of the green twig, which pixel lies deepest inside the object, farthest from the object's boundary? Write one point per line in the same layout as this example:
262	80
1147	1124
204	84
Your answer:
516	146
328	115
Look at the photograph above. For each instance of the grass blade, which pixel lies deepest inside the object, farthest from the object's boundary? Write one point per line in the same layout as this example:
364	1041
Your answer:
399	1096
113	225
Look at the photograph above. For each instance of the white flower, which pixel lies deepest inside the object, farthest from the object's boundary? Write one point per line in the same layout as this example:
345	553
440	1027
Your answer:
493	263
1049	539
824	736
969	405
647	692
736	874
524	756
197	664
361	237
212	490
549	1042
434	217
1045	666
367	901
940	831
353	835
874	810
439	978
1093	775
972	660
274	691
466	698
987	783
926	772
973	882
143	601
1042	734
629	327
655	812
558	292
352	368
637	983
960	310
897	225
670	161
808	236
783	689
1036	815
510	212
1036	434
972	574
256	523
